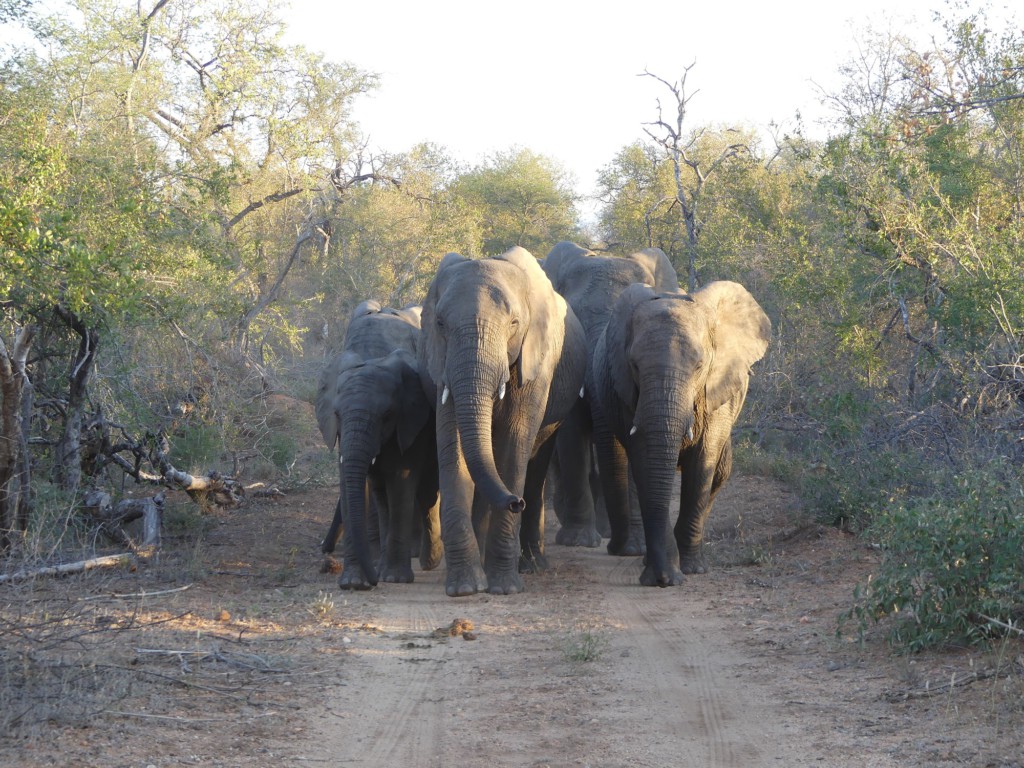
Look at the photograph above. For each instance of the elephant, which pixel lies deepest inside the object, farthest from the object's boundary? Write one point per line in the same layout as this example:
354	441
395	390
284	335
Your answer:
590	284
371	404
504	357
671	372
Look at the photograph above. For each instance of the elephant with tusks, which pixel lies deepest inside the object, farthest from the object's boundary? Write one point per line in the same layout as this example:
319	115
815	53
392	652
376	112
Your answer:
504	356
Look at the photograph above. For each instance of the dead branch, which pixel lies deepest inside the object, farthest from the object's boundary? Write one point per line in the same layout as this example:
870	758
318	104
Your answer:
210	489
943	688
106	561
112	519
1003	624
135	595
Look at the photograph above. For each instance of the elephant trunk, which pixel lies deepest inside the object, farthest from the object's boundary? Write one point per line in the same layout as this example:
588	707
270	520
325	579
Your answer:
357	453
665	418
474	392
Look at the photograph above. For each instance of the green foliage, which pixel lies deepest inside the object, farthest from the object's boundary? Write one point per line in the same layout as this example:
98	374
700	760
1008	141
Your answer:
584	645
519	198
280	448
196	447
950	561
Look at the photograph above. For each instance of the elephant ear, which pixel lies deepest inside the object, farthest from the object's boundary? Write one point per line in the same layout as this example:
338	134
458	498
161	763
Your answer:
414	409
326	396
741	332
412	314
658	264
543	337
618	337
432	346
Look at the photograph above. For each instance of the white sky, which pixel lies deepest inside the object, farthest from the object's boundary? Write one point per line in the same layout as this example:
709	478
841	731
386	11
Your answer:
560	77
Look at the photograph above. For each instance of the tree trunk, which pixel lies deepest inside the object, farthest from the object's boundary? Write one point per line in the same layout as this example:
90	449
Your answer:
14	479
68	459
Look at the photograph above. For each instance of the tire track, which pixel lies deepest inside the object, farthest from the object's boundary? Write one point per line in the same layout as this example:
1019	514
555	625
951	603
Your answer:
684	667
398	686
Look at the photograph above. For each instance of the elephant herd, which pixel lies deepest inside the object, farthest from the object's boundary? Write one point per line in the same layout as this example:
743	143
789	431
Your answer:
447	416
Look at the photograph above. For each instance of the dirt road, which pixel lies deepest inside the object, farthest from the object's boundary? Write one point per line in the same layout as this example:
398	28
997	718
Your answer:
231	649
587	668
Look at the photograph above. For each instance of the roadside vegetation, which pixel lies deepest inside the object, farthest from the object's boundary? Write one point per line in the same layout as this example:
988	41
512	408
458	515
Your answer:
188	213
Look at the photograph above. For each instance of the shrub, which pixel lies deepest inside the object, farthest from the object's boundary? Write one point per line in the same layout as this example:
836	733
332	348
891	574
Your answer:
950	561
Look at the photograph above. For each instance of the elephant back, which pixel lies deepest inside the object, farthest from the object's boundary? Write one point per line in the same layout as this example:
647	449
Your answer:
562	261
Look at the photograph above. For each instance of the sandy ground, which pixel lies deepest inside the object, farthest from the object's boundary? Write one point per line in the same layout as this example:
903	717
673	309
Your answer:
230	648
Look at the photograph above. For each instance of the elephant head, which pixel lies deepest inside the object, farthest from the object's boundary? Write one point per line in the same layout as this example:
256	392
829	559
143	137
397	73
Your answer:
663	277
690	351
363	406
490	328
374	331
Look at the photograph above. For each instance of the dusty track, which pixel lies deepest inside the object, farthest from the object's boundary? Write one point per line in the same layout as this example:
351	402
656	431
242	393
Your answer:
262	661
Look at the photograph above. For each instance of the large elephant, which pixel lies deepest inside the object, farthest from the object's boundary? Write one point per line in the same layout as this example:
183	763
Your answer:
590	284
671	375
371	404
504	357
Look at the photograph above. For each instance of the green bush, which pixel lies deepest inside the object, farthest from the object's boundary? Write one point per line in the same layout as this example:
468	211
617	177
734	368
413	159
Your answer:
849	488
950	562
196	447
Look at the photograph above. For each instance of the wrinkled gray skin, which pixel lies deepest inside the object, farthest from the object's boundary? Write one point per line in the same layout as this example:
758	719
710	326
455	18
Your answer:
371	405
671	375
504	356
591	284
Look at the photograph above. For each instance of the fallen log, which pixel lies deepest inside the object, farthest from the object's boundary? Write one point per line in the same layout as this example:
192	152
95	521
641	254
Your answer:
112	519
64	569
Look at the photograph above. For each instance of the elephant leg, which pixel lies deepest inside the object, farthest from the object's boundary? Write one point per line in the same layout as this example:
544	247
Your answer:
653	484
501	561
553	488
627	533
531	533
701	480
400	498
465	574
330	541
573	445
352	574
428	509
597	494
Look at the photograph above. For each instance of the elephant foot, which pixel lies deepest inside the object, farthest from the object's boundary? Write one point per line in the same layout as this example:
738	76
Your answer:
397	574
578	536
627	546
667	577
352	577
465	580
431	554
505	584
532	561
692	563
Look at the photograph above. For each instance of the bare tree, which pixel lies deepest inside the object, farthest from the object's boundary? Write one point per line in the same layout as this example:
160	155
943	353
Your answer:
691	172
15	385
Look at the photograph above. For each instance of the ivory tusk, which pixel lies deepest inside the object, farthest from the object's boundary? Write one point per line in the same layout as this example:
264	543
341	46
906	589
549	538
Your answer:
689	434
341	459
581	391
633	430
501	391
444	395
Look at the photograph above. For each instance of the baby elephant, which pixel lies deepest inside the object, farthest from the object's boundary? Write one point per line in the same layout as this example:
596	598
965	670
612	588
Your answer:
371	404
